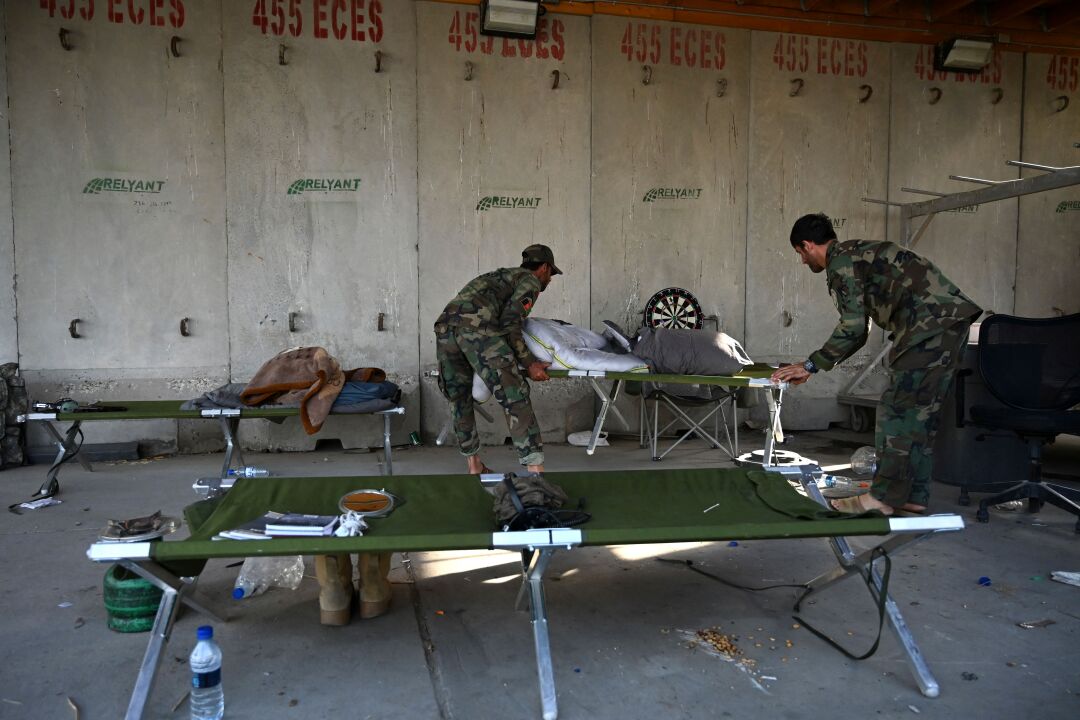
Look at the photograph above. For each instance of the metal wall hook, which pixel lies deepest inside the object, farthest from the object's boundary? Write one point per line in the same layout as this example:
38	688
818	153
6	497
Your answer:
934	95
1062	103
786	318
996	95
646	74
174	46
185	327
378	61
65	38
468	71
865	93
555	75
292	321
73	328
796	87
721	87
381	322
281	59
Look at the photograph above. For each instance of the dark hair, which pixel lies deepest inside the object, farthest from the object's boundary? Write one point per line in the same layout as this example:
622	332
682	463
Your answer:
817	228
531	265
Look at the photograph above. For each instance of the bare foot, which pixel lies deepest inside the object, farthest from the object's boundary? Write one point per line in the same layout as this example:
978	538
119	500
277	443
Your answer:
859	504
476	465
535	469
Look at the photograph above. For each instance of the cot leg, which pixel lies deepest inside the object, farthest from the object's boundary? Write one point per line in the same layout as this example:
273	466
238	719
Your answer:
606	403
655	426
735	424
230	428
775	434
533	569
641	422
159	637
387	452
174	592
925	679
850	564
65	444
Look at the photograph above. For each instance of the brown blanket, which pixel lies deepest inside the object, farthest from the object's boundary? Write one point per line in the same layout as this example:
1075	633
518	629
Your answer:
309	377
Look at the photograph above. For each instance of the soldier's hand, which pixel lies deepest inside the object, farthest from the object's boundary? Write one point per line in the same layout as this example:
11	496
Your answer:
795	374
536	371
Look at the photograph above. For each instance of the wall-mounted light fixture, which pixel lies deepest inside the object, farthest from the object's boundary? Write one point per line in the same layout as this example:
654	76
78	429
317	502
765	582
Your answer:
510	18
966	55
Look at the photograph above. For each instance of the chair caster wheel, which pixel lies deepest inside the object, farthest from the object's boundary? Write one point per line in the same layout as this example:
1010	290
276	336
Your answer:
964	500
982	515
656	459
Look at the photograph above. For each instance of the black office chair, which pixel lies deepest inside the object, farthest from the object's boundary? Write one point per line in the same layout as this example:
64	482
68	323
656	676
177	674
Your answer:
1032	367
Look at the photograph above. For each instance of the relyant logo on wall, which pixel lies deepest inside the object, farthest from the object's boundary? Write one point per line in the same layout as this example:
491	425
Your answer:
119	185
324	185
1068	206
321	187
507	202
671	193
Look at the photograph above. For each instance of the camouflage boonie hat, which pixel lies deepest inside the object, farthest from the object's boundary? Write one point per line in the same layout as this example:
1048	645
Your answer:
540	254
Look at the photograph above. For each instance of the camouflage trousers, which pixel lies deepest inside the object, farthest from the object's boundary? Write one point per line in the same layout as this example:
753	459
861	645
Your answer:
460	353
908	416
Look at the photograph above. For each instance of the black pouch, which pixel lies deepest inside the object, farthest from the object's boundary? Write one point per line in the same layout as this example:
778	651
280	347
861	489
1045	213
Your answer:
524	503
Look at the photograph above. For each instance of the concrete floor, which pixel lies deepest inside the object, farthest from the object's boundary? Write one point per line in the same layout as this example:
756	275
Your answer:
453	646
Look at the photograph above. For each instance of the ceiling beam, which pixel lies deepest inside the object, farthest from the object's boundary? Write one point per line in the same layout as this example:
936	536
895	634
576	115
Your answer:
943	8
1006	10
876	7
1061	16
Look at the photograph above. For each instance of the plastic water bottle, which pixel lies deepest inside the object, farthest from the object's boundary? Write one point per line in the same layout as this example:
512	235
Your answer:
258	574
249	472
207	697
864	461
839	482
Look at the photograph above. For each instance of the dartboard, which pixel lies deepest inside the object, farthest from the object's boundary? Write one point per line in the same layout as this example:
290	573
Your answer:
673	308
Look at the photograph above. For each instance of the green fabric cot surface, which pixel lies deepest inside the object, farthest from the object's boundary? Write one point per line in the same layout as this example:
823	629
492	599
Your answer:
739	379
453	512
166	410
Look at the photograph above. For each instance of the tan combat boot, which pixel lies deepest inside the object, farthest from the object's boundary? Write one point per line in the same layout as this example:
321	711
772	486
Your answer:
335	588
375	590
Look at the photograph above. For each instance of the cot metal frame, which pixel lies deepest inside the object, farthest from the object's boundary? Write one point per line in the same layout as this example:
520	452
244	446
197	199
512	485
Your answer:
228	418
537	548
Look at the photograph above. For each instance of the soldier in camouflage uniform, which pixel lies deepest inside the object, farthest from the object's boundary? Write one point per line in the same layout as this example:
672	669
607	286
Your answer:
927	318
480	331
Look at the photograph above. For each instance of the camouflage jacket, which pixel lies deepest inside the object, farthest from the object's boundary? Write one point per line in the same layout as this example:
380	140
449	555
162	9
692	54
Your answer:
905	294
496	303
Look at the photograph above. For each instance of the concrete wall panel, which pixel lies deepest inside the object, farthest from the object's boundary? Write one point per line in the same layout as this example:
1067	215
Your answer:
971	130
322	186
504	162
671	139
1048	237
118	185
819	142
9	338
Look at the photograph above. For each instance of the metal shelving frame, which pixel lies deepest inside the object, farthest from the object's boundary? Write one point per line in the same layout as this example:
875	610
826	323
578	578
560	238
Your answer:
1052	178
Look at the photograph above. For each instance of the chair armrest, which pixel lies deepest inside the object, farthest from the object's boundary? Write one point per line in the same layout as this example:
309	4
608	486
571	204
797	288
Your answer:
961	403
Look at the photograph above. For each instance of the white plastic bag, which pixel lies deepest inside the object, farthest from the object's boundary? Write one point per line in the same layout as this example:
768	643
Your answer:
259	573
